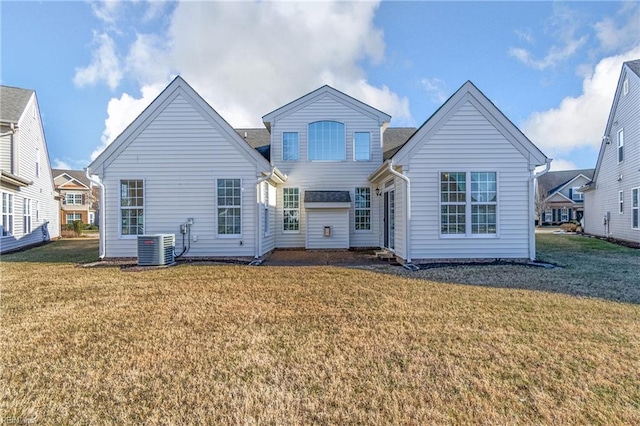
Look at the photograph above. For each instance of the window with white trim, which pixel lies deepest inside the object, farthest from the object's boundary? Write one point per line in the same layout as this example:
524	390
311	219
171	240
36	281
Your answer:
73	198
229	207
576	195
7	214
548	215
290	146
131	207
37	162
72	217
564	214
37	211
625	87
26	216
362	209
326	141
635	205
621	202
620	145
362	146
468	198
291	209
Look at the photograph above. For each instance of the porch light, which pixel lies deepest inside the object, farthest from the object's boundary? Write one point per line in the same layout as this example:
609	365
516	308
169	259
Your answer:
378	191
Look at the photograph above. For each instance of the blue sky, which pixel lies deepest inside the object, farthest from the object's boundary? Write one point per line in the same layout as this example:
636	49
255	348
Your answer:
551	67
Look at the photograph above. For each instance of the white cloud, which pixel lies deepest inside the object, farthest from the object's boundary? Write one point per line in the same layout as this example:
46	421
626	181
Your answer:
60	164
105	65
562	164
562	27
620	33
248	58
579	121
436	88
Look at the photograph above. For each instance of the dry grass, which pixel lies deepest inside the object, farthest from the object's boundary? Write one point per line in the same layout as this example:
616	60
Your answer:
304	345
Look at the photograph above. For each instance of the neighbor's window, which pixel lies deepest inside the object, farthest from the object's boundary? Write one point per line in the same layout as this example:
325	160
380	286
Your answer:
229	207
131	207
291	209
7	214
620	145
548	215
362	146
363	209
635	205
326	141
564	215
290	146
576	195
26	216
73	198
468	198
72	217
620	202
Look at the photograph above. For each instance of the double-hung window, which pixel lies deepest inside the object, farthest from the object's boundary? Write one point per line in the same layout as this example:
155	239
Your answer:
26	216
362	146
621	202
291	209
72	217
7	214
548	215
576	195
564	214
363	209
73	198
131	207
290	146
265	212
620	145
326	141
635	205
468	203
229	207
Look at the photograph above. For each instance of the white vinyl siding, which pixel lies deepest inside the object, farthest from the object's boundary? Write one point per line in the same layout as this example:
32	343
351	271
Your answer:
338	222
131	208
229	200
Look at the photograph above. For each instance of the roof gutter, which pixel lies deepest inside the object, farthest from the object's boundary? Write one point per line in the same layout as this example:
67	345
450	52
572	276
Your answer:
407	211
532	197
102	250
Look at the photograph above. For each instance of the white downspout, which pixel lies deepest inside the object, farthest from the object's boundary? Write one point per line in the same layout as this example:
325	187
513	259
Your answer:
257	249
532	230
407	225
102	248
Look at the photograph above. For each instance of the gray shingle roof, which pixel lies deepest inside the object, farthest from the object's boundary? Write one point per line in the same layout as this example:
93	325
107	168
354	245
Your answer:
76	174
13	101
552	181
327	197
634	66
259	139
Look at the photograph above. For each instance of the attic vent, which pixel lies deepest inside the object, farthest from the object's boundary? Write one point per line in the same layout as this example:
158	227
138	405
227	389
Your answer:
155	250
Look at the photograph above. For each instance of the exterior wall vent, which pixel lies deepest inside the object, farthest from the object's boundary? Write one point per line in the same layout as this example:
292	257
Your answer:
156	250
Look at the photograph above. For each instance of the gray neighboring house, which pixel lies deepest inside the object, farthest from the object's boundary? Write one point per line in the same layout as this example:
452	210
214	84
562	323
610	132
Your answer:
560	195
612	198
29	206
325	172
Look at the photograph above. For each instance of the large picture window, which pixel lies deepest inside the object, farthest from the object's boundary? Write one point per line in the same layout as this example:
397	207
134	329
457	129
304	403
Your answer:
131	207
362	146
468	203
229	207
326	141
7	214
363	209
290	146
291	209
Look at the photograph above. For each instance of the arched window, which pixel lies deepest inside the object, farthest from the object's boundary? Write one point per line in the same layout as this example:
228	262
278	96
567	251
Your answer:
326	141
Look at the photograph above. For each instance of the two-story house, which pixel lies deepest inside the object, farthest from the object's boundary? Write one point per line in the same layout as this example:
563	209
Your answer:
29	207
560	196
326	172
74	189
612	198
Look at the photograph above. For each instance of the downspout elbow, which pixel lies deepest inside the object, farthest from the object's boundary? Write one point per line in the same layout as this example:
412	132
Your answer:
102	251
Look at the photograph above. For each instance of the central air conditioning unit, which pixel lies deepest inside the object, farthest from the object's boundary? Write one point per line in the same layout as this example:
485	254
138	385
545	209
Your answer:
156	250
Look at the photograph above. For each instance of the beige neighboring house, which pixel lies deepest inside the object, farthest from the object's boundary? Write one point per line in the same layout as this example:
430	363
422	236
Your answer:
75	196
29	207
560	195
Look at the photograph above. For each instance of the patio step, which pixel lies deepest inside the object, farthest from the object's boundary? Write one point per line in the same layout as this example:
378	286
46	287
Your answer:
386	256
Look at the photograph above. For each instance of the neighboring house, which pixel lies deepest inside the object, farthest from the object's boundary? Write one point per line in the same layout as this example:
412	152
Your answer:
75	196
29	207
612	198
560	196
325	173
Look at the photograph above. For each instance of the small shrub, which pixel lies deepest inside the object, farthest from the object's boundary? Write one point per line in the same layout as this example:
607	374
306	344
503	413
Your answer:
78	227
569	227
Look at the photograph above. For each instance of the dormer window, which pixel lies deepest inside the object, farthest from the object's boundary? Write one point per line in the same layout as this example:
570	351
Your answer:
326	141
